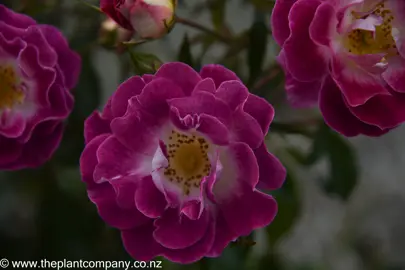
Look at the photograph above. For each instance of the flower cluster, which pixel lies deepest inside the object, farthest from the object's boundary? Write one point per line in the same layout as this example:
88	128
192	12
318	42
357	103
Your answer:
175	161
347	56
37	72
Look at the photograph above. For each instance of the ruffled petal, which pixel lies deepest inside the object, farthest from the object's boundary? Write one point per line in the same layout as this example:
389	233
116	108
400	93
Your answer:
223	236
203	102
239	169
279	20
385	112
218	73
183	75
68	61
249	211
271	172
95	125
261	110
356	85
149	200
130	88
395	74
213	129
15	19
233	93
10	150
195	252
205	85
117	161
136	132
325	15
156	94
140	244
178	232
246	129
88	158
338	116
305	60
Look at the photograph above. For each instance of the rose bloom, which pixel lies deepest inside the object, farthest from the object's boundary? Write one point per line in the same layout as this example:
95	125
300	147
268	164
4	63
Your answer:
175	161
37	71
348	56
147	18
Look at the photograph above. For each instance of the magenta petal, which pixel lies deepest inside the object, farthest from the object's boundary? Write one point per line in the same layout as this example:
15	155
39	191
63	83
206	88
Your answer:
155	95
11	126
246	164
214	129
193	253
46	54
260	110
94	126
205	85
271	172
136	133
218	73
140	244
117	161
180	73
305	60
149	200
88	159
15	19
104	196
279	20
223	236
382	111
130	88
323	24
233	93
68	60
147	78
248	212
395	74
338	116
356	85
246	129
200	103
177	232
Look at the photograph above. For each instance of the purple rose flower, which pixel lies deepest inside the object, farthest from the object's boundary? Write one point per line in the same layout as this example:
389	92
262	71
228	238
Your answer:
175	159
348	56
37	71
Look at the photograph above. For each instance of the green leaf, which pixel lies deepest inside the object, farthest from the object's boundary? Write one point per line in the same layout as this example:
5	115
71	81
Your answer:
185	55
258	35
144	63
289	208
342	162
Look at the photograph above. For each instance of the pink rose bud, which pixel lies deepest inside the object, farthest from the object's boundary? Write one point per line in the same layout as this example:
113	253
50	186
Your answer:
147	18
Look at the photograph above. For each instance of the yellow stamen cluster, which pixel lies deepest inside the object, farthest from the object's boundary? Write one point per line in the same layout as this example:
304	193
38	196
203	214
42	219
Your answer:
188	160
10	90
381	41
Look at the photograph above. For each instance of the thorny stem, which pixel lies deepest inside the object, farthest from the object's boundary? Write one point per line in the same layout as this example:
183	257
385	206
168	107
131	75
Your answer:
200	27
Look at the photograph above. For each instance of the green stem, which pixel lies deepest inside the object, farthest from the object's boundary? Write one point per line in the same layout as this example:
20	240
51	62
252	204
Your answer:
202	28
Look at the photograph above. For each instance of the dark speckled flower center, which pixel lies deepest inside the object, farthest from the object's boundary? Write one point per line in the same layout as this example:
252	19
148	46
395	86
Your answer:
188	160
11	92
361	41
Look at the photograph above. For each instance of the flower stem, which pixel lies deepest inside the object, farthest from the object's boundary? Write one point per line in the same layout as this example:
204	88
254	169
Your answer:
202	28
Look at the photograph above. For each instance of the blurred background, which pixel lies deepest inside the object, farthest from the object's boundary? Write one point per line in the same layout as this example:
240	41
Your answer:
341	208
